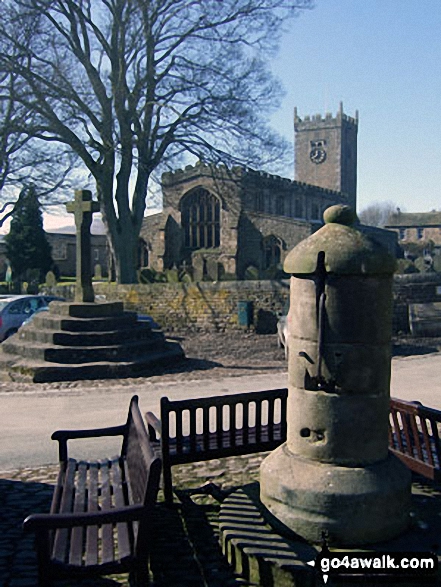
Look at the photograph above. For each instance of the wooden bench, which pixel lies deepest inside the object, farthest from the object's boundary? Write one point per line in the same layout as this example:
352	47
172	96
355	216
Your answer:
209	428
100	519
414	437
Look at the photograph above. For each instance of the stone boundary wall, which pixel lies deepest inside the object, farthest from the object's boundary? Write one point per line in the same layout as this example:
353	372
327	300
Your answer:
214	306
419	288
198	306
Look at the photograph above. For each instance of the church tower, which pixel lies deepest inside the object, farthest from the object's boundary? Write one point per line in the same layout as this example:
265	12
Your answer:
326	152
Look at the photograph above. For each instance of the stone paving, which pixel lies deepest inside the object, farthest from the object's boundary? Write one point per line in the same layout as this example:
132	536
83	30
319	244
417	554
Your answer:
186	552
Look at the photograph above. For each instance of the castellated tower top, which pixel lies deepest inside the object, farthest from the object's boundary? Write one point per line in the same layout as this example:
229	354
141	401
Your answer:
326	152
318	119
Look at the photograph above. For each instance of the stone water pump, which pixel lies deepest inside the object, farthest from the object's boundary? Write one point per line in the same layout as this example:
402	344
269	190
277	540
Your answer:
334	475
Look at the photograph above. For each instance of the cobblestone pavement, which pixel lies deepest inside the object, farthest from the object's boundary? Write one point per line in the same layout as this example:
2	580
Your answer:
186	552
218	355
207	354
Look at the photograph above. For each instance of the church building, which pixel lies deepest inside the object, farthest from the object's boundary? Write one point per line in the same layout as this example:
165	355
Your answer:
240	223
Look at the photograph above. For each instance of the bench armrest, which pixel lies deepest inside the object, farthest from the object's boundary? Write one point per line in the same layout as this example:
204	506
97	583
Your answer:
36	522
154	425
64	435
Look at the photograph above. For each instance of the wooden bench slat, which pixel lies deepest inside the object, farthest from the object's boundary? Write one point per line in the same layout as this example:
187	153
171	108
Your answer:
206	426
436	440
427	444
245	425
62	535
416	439
397	430
124	545
92	506
258	426
219	425
77	534
232	425
106	501
271	424
179	434
192	416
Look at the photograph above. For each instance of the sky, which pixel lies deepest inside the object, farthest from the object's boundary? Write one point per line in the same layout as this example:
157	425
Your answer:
382	58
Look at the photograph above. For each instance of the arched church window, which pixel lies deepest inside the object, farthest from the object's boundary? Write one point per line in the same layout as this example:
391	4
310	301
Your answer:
280	206
315	211
201	219
298	212
272	251
143	253
260	203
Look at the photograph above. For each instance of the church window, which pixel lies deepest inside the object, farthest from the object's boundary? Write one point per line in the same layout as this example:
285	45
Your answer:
272	251
260	204
59	250
402	233
315	212
298	212
280	206
420	233
267	204
143	253
201	220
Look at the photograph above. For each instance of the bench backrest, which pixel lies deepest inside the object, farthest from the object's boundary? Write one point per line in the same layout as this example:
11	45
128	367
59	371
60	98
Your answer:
143	467
224	425
414	437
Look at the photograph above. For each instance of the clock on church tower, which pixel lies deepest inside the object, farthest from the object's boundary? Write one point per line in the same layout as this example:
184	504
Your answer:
326	152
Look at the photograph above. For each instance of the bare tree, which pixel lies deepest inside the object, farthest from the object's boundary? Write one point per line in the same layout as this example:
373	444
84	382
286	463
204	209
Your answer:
22	161
129	86
377	214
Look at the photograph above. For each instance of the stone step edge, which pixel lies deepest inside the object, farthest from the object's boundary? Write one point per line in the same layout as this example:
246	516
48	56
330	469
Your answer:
95	348
255	551
37	371
150	334
55	316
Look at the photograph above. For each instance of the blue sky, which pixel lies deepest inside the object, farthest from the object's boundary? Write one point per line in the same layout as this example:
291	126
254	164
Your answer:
382	58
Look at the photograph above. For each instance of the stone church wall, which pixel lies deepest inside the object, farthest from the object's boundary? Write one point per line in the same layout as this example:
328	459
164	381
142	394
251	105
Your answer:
213	306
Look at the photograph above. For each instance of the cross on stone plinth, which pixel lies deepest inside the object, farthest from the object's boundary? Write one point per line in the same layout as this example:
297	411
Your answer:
83	207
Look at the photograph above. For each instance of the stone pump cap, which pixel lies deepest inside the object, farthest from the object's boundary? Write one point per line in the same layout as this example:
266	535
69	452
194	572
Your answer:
347	250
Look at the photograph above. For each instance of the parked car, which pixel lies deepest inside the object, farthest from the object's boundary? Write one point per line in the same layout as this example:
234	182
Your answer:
17	309
282	329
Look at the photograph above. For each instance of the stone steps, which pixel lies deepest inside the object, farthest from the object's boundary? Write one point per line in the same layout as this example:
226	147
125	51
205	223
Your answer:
82	354
84	341
72	324
139	331
15	368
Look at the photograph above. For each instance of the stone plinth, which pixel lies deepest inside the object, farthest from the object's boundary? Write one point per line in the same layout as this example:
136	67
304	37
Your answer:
85	341
352	505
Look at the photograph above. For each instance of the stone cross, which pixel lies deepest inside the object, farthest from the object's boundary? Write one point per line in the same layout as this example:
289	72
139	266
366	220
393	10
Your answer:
83	207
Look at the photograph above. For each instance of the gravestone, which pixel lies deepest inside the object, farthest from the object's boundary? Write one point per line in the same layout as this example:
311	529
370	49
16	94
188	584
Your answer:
51	280
98	272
